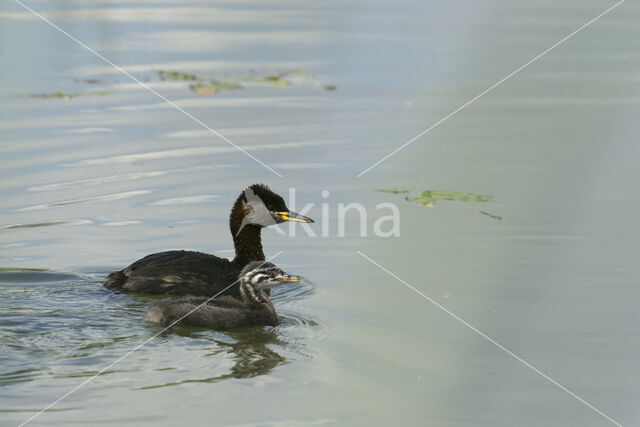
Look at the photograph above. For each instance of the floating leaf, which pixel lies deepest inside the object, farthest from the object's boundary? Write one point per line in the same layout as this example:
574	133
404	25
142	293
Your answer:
69	96
277	78
175	75
212	87
282	78
268	80
491	215
51	95
429	197
392	190
95	93
298	77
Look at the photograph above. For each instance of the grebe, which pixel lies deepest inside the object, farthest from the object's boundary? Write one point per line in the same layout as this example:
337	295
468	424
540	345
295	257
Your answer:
227	312
200	274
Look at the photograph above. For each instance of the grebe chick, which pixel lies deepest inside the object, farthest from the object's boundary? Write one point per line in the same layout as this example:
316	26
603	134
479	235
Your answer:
226	312
200	274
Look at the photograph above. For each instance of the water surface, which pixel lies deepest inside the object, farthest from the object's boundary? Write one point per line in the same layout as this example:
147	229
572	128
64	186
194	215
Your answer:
91	183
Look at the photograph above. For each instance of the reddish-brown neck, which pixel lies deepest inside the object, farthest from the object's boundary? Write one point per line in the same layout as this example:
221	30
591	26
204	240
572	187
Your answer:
247	242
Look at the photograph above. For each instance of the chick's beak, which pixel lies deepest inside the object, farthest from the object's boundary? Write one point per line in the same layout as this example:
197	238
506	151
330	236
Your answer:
293	216
285	278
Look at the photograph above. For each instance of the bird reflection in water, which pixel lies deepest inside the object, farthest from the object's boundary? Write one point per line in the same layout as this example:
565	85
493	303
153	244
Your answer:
249	349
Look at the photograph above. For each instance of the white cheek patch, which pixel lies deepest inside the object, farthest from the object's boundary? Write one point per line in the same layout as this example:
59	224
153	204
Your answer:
260	215
256	211
257	278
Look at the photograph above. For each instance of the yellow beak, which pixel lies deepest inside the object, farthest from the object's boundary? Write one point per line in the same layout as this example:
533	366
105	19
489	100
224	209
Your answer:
288	279
292	216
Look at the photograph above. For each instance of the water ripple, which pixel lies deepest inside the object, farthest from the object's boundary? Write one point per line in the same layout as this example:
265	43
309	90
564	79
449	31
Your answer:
106	197
78	327
46	224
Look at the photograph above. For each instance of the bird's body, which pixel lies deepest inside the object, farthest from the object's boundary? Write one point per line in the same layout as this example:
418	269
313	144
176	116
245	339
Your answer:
177	273
200	274
226	312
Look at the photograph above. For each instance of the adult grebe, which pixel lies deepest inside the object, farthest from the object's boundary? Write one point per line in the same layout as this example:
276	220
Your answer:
227	312
200	274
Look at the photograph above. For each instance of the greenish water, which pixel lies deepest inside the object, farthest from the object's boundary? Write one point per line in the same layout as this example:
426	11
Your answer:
92	181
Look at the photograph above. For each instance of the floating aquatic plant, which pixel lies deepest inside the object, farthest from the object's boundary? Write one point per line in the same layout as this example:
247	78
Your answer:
267	80
392	190
175	75
490	215
281	78
212	87
429	197
275	78
70	96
